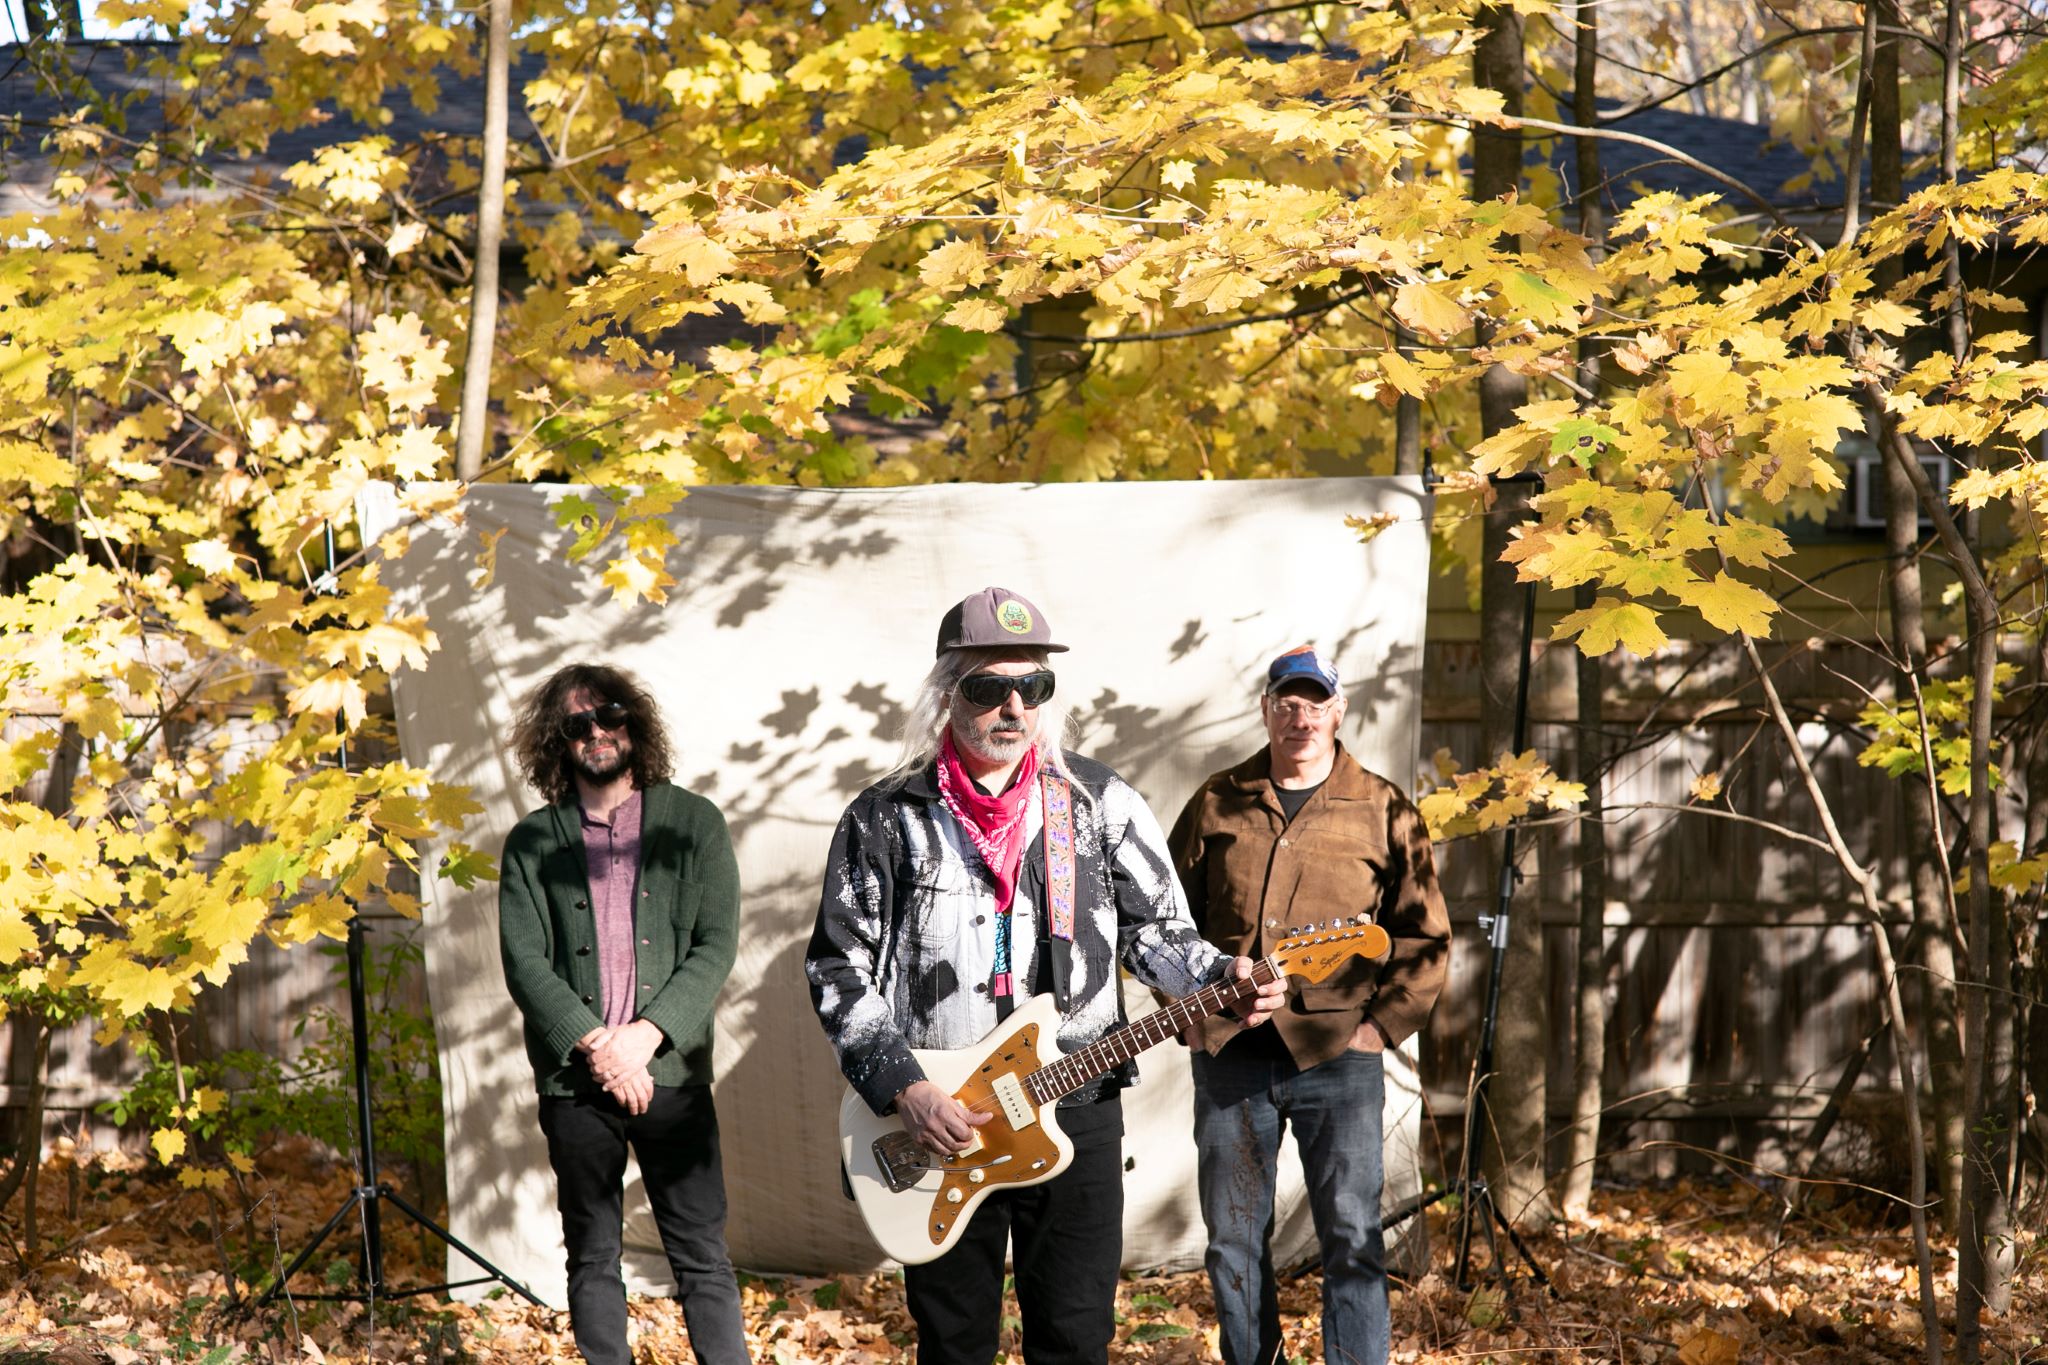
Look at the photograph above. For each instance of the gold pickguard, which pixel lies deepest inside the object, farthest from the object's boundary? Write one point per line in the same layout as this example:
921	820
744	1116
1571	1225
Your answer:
1031	1151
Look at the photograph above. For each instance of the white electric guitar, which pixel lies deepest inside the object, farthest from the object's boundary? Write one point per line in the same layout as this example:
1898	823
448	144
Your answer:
917	1203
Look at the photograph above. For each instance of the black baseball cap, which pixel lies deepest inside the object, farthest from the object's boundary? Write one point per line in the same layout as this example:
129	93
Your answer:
994	618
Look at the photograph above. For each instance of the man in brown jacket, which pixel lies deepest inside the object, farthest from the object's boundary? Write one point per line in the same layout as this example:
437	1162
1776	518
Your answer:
1300	833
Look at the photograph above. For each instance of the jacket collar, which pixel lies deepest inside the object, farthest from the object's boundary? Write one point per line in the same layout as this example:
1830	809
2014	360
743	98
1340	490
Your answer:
1345	783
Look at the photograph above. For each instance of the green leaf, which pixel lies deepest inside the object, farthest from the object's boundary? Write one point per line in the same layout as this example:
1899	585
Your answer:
274	865
1158	1331
1582	440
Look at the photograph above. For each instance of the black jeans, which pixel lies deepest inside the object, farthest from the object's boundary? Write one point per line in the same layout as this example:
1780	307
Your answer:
1069	1243
676	1141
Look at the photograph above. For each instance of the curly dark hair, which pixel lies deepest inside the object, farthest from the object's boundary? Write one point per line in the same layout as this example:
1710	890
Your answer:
543	750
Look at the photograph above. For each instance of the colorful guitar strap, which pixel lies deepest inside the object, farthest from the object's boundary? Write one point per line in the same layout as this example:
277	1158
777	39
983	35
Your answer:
1059	881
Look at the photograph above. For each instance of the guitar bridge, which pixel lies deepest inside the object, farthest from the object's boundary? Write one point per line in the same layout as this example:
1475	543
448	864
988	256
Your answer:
901	1160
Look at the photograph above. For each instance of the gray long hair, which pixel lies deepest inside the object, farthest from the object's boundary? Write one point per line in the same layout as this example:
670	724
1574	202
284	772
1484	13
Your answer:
931	713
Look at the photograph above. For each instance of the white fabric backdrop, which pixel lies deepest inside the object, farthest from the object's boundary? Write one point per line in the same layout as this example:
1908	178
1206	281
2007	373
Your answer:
800	625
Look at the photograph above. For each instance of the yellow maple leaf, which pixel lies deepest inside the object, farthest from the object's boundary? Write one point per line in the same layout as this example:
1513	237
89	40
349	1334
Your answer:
222	921
168	1143
413	452
1428	309
1367	528
955	265
1612	622
333	692
1706	787
17	935
1177	174
322	916
1730	604
633	577
487	558
211	557
683	247
35	465
401	359
127	987
976	315
1710	383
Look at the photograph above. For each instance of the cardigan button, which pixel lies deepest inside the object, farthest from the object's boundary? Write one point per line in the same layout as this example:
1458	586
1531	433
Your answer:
586	999
645	942
583	951
582	905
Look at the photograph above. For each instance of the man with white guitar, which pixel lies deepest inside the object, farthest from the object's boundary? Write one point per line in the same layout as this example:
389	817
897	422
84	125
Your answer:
1301	832
992	877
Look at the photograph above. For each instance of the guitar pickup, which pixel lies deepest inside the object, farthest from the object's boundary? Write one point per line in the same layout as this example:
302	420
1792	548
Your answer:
901	1161
1016	1105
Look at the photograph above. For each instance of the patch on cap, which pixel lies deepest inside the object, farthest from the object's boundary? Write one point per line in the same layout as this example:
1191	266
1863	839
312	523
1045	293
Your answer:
1014	617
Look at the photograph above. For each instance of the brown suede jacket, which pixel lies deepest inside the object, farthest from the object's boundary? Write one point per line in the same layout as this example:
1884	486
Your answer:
1358	846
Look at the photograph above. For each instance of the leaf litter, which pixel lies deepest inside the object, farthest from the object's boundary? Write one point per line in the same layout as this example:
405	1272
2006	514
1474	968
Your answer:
1697	1272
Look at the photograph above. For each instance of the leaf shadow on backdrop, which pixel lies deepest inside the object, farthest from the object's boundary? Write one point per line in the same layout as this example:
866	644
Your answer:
782	733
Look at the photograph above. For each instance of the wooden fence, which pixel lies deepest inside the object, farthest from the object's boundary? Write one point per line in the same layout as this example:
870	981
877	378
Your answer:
1742	974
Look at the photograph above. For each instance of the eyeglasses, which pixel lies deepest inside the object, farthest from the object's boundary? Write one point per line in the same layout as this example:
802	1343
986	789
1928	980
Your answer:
610	716
993	689
1295	709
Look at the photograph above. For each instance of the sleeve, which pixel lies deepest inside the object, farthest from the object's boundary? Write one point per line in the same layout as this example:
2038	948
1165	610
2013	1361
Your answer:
1189	853
551	1007
682	1007
845	960
1156	937
1413	914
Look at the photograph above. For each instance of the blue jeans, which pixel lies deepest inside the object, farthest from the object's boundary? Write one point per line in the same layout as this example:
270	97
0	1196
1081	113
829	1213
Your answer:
1243	1097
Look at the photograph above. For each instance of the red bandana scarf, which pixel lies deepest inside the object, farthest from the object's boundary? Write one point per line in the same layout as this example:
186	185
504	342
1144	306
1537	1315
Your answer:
994	823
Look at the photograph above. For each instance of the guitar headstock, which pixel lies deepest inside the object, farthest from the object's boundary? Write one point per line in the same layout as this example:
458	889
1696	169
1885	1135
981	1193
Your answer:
1313	951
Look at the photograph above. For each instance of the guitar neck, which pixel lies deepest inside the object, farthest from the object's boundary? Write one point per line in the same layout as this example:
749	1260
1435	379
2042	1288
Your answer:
1113	1049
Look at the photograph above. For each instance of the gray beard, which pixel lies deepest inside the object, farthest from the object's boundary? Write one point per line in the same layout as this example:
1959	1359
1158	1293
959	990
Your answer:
997	746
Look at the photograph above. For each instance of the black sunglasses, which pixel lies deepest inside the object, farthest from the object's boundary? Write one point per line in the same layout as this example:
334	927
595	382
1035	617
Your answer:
611	715
993	689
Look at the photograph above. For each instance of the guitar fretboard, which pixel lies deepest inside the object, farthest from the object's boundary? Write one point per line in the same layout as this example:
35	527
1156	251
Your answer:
1112	1050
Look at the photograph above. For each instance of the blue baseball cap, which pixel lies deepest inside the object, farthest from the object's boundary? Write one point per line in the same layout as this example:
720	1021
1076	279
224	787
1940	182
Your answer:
1301	664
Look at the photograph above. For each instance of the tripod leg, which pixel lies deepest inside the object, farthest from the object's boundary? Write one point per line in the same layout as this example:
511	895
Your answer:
354	1199
452	1240
1521	1248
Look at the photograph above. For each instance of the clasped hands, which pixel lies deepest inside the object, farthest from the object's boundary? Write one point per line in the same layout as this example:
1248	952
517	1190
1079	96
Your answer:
943	1125
618	1058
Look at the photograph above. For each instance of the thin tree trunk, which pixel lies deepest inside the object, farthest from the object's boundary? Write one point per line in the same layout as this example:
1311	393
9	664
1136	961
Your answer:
26	1172
30	1148
1925	851
472	423
1522	1044
1589	1030
1984	1252
1407	413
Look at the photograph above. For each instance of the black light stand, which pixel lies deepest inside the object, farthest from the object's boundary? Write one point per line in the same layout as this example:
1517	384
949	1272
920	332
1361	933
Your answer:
370	1192
1476	1203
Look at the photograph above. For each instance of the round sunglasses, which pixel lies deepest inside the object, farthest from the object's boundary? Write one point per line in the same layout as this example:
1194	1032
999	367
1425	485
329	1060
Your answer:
611	716
985	690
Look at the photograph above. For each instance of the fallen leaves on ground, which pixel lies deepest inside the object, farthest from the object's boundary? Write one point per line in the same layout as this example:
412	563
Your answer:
1693	1273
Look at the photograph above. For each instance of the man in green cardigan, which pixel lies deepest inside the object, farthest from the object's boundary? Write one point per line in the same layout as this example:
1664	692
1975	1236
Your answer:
618	916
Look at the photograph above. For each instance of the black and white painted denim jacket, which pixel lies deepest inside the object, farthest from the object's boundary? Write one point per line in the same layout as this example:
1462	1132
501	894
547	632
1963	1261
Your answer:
904	949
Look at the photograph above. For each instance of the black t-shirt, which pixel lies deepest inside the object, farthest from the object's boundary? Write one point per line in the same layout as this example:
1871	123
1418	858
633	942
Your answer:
1293	799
